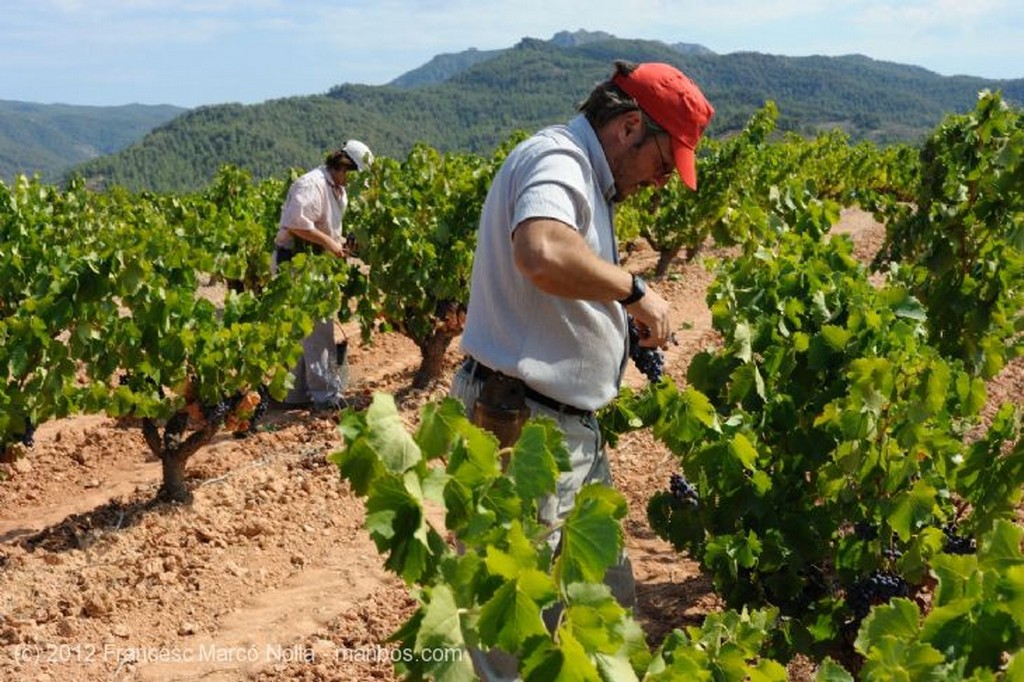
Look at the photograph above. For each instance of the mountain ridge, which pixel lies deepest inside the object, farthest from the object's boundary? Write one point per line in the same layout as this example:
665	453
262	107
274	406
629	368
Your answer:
473	100
49	138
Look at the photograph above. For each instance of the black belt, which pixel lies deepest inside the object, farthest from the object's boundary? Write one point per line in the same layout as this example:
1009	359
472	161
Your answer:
482	372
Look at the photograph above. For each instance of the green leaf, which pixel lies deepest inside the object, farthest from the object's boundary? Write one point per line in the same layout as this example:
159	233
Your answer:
685	417
566	662
743	450
591	535
388	436
396	522
438	426
509	618
537	459
1011	592
767	670
913	509
835	337
956	576
1000	547
897	620
742	342
830	671
440	631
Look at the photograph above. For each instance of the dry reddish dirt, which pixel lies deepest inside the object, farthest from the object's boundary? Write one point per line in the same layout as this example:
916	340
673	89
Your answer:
269	575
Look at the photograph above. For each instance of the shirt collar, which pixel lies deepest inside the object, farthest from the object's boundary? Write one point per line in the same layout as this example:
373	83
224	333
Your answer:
330	179
581	127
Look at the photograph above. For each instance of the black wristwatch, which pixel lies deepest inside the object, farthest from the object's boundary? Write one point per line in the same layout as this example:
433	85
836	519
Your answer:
637	292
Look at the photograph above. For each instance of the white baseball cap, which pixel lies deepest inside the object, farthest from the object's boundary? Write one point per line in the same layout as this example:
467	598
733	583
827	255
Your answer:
359	153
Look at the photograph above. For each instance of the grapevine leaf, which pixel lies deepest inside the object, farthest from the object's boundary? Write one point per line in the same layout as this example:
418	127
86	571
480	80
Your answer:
388	435
767	670
441	629
744	451
396	522
567	662
537	458
895	659
509	618
614	668
972	392
967	628
1011	591
912	510
957	577
1000	548
830	671
685	417
474	459
743	379
835	337
742	338
438	426
897	620
359	465
520	557
605	629
591	535
907	307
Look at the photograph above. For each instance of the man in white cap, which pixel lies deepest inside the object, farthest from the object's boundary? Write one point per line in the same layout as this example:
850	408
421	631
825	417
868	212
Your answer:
548	302
311	222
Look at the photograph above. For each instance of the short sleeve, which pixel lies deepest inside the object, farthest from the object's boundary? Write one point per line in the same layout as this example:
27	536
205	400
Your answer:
554	184
302	208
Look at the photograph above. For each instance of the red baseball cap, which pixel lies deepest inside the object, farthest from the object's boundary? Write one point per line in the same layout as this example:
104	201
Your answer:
676	104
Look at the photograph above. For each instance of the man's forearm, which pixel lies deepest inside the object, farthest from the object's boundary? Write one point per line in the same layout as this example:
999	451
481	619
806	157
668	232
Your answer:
320	239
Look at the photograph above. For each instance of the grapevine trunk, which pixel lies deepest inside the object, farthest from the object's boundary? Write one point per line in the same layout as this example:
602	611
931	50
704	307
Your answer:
433	351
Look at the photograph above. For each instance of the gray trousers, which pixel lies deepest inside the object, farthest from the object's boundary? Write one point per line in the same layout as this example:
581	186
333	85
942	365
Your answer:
589	465
320	375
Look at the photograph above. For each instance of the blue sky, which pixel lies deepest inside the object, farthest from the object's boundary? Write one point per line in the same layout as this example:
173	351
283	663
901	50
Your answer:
195	52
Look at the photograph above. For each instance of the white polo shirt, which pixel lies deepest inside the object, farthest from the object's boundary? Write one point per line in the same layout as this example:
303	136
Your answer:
571	350
314	203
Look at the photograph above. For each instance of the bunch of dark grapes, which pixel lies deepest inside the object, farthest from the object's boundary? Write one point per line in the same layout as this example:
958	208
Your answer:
877	588
650	361
865	531
28	438
216	413
683	491
958	544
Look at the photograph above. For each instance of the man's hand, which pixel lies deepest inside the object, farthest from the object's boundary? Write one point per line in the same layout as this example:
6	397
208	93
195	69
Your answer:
651	314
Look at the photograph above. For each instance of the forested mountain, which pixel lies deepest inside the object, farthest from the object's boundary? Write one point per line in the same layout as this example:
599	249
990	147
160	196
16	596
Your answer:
473	101
48	138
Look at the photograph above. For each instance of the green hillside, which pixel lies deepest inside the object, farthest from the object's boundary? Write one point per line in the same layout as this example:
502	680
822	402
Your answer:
48	138
532	84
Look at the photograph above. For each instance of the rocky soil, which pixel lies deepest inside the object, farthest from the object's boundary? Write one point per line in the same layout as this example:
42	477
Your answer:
268	574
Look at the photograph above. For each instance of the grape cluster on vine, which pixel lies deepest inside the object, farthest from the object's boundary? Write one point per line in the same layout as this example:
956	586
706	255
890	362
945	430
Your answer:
683	491
28	438
877	588
217	412
956	543
650	361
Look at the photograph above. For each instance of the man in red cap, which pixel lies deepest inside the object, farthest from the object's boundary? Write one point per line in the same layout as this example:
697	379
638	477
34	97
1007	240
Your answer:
546	330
